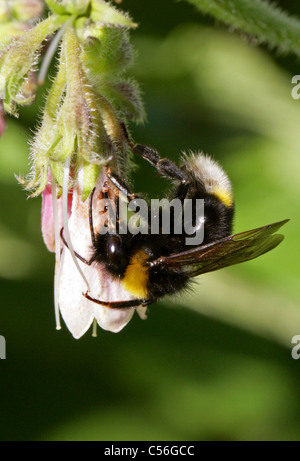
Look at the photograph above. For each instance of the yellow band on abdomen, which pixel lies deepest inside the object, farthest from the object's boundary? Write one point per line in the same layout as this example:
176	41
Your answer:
136	275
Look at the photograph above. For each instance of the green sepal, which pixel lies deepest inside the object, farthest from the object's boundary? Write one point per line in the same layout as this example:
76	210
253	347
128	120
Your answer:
106	14
57	170
77	7
90	175
107	50
37	183
57	8
126	98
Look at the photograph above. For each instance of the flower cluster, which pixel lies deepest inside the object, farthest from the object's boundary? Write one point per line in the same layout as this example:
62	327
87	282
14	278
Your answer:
81	128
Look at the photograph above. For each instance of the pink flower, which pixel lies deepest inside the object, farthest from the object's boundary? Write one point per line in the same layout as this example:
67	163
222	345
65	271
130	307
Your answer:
48	215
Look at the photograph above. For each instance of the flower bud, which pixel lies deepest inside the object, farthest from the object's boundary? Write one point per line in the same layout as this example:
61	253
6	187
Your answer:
17	61
71	104
107	50
77	311
107	53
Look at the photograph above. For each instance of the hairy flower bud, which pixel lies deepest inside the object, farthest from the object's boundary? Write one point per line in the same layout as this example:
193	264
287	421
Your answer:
108	48
17	62
71	104
107	53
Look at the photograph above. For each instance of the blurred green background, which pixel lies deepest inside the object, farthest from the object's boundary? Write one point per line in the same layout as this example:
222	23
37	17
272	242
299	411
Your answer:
214	364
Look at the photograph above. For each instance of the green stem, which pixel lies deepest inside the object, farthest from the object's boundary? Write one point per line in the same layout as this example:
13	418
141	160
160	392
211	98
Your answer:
258	18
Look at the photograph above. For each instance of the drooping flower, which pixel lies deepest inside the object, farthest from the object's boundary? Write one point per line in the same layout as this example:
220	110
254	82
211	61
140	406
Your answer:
70	216
50	215
77	311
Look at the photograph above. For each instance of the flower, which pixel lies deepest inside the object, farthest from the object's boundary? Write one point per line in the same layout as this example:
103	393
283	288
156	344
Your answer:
74	277
47	216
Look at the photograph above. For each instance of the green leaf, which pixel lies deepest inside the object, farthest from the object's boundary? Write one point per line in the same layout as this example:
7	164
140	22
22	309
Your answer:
258	18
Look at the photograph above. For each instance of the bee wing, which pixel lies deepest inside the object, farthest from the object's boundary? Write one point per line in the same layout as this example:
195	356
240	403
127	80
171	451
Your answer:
225	252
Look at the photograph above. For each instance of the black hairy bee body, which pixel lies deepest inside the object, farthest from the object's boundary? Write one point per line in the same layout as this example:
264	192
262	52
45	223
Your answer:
152	265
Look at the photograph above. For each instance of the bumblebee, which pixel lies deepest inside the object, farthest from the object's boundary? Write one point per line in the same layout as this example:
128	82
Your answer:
150	266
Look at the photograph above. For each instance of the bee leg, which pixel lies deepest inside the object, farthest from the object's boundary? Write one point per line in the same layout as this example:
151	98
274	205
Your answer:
163	165
121	304
76	254
91	218
119	184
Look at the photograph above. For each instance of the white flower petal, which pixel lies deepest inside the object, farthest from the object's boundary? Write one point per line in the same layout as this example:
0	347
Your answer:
111	319
142	311
75	309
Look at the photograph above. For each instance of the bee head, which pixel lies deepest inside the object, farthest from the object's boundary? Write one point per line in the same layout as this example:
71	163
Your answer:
111	250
